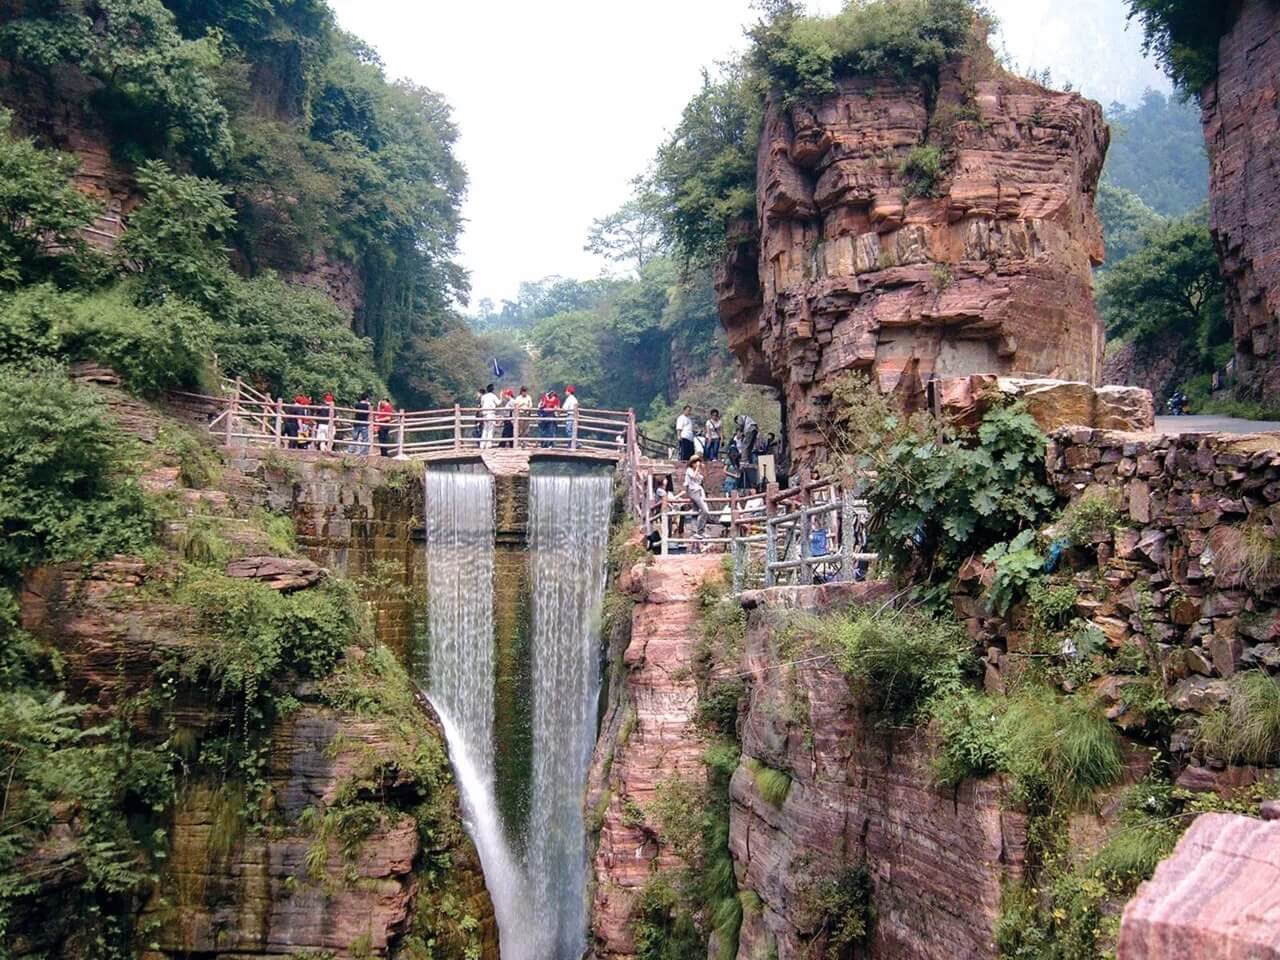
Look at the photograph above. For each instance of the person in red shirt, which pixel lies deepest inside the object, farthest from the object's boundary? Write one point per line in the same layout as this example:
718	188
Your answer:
548	406
383	420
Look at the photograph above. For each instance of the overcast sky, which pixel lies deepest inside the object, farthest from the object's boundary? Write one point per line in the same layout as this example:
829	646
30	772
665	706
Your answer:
561	102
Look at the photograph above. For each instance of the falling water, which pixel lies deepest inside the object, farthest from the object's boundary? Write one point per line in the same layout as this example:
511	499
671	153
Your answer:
568	539
460	552
540	903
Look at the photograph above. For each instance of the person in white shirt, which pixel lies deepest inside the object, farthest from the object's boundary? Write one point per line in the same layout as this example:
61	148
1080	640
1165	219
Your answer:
570	408
696	494
488	416
684	432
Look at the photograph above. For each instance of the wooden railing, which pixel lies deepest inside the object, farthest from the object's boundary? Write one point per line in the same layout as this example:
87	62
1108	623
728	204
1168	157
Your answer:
247	417
813	532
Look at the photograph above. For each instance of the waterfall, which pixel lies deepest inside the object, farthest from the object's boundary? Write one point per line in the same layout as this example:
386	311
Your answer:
459	665
568	539
539	897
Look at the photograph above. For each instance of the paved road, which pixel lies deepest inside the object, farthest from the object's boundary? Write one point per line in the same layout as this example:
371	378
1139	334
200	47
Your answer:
1212	424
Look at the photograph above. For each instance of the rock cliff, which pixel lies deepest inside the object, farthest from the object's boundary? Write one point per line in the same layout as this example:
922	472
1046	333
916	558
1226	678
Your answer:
860	796
1241	126
863	262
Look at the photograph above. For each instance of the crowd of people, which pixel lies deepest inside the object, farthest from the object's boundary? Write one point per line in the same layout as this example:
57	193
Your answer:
306	425
741	455
503	414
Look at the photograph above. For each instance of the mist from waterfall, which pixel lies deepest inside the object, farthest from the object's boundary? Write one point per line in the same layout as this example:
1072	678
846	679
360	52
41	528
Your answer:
568	541
540	898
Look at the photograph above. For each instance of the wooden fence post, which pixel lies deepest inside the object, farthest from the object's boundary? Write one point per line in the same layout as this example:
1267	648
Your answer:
770	545
457	426
736	544
333	427
400	438
279	421
232	409
806	528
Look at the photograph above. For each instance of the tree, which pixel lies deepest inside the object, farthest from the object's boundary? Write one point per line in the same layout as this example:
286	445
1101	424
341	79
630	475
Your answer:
1126	220
1183	36
42	215
1171	288
1157	151
632	233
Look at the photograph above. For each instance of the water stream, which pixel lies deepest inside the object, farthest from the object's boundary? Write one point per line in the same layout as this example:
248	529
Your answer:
535	871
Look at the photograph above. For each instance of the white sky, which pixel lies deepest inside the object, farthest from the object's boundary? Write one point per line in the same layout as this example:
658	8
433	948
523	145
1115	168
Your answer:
561	102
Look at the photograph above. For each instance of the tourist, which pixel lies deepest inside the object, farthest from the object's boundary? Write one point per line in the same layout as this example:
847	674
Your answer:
506	408
697	496
360	430
748	431
383	421
684	432
766	446
523	403
548	407
570	408
291	419
488	416
325	426
713	429
733	471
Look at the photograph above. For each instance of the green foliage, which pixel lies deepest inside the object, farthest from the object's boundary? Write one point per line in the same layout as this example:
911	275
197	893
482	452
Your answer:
199	464
835	909
1170	288
1183	36
153	88
1157	152
1017	564
941	493
1247	728
1126	221
802	56
718	706
64	489
152	348
1090	517
706	171
41	215
923	167
661	925
772	785
898	660
201	542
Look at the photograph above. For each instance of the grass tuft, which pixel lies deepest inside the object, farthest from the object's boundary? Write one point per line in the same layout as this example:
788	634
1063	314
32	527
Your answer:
772	785
1247	728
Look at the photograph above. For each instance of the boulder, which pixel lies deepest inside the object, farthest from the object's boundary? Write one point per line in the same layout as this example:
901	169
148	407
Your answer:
1217	895
278	573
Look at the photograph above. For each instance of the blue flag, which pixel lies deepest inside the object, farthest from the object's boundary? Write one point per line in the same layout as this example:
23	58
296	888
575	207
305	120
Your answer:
497	370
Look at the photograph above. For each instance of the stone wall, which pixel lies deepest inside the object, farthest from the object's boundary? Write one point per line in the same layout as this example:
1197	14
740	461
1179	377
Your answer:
991	273
1187	572
1241	127
860	796
359	517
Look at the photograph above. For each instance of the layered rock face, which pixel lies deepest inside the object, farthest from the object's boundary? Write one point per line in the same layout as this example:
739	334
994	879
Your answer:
1241	127
650	737
859	796
1217	895
988	271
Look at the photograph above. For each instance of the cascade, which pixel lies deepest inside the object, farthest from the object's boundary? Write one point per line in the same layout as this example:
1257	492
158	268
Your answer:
535	868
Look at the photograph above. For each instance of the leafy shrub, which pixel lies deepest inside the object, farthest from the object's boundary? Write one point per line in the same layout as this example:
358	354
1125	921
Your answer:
198	462
836	909
1017	564
64	491
201	542
718	706
923	168
152	348
661	925
802	56
41	215
970	739
1247	728
1183	35
898	659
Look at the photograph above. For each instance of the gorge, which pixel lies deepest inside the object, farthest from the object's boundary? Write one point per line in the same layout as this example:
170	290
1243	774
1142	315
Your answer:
988	666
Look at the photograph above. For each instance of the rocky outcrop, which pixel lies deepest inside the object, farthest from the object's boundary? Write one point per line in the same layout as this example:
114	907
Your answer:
654	739
1241	127
1217	895
860	795
986	269
1053	404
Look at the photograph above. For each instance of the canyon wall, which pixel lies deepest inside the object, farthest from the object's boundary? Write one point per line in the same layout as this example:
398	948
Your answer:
283	875
859	264
1241	120
861	796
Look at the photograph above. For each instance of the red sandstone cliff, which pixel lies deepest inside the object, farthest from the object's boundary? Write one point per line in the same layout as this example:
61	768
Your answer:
1241	119
990	274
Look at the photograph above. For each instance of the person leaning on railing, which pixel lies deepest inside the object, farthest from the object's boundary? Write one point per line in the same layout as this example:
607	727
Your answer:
697	495
383	421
